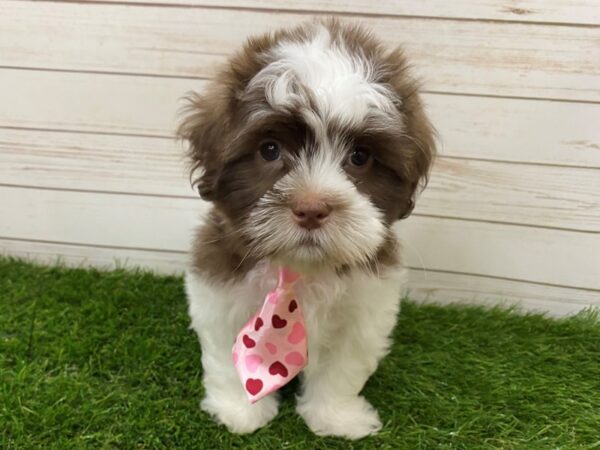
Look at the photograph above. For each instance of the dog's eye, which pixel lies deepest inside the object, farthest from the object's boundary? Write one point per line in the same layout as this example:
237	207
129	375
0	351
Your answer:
270	150
359	156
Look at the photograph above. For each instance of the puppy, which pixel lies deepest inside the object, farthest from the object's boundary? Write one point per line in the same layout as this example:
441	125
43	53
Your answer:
309	144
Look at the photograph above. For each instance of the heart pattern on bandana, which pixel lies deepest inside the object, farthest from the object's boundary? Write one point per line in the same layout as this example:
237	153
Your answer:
248	341
278	322
271	348
278	368
254	386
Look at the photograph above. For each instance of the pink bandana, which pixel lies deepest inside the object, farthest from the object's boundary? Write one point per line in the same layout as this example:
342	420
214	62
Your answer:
270	349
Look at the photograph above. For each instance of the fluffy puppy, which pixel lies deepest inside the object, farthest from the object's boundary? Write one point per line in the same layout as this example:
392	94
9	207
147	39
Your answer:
309	144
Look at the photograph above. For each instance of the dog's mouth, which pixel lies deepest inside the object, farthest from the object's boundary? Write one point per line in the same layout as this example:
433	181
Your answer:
312	247
308	241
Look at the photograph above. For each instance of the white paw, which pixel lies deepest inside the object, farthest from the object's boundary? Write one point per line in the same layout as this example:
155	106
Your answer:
352	418
238	414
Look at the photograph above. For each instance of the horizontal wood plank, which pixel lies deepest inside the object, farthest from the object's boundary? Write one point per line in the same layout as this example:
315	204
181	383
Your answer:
94	162
509	59
519	194
557	257
453	288
145	222
529	254
531	131
553	11
92	102
547	196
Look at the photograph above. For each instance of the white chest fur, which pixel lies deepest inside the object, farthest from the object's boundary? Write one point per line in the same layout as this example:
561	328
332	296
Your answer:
348	321
331	303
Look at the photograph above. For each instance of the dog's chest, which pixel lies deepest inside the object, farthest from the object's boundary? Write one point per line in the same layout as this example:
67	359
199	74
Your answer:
322	297
316	293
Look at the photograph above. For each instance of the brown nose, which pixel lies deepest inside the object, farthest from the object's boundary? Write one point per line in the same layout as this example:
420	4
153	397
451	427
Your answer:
311	214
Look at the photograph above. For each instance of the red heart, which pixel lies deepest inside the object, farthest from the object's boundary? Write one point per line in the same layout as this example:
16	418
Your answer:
254	386
278	368
278	322
248	341
293	306
259	323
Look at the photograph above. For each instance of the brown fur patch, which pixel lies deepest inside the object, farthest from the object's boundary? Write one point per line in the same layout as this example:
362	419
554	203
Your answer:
219	251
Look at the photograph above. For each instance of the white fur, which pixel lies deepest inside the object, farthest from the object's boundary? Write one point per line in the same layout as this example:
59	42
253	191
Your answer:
348	321
341	83
218	313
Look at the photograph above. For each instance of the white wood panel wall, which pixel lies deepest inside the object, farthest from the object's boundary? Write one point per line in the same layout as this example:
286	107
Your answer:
90	172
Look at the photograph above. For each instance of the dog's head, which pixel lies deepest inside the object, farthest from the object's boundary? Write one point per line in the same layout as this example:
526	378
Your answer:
310	143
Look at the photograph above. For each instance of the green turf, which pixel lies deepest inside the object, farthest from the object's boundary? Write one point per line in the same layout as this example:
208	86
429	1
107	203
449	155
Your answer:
106	360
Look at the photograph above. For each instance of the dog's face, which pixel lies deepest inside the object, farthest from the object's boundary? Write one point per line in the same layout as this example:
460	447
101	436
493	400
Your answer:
311	143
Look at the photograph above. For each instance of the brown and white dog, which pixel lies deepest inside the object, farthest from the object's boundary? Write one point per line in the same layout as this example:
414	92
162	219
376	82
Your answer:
310	143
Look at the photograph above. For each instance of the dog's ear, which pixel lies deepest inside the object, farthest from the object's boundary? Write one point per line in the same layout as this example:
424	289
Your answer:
205	126
407	209
418	135
209	118
420	143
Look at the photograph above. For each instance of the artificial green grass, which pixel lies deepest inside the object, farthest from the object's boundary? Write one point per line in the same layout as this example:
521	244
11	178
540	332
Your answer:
106	360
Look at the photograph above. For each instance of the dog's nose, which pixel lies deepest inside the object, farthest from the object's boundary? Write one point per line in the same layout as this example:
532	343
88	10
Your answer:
311	214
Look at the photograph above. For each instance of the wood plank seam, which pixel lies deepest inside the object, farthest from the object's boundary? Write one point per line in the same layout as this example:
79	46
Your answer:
84	244
101	133
316	12
96	191
519	280
501	161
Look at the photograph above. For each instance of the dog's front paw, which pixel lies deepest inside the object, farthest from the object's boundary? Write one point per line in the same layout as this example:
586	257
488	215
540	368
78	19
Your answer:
352	418
238	414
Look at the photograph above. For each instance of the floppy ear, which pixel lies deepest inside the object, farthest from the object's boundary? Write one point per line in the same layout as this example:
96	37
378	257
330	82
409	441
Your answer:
209	118
408	207
421	142
418	135
205	126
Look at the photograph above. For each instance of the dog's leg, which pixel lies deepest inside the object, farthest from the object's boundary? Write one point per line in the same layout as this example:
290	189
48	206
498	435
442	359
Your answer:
339	367
217	316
